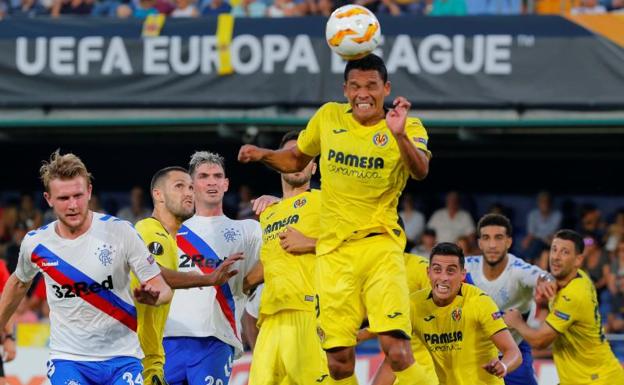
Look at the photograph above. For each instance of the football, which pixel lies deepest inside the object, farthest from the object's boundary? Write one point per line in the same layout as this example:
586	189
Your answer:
352	32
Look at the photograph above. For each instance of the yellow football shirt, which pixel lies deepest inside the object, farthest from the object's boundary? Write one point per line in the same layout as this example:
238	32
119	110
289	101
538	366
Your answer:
288	278
417	279
581	353
151	319
362	174
416	267
458	335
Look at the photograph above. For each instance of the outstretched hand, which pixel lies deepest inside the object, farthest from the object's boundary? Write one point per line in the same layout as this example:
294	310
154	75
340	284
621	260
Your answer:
223	273
250	153
146	294
397	115
496	367
260	204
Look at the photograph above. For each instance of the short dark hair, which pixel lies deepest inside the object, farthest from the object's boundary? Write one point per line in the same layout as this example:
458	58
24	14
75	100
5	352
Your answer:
163	172
290	135
369	62
494	220
571	235
447	248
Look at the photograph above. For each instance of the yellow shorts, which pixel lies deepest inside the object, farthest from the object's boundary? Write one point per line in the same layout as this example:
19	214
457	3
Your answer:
362	278
288	351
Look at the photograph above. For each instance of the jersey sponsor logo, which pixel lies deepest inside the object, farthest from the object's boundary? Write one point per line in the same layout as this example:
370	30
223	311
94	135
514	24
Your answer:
300	203
339	130
429	318
380	139
156	248
105	254
497	314
562	315
352	160
198	260
277	225
79	289
231	234
443	338
456	314
67	275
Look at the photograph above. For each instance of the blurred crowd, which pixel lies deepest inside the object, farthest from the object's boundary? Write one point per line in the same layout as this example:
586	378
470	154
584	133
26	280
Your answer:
425	222
140	9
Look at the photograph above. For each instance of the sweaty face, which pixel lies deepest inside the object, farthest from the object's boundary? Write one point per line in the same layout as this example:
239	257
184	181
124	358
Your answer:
563	258
494	244
366	91
446	276
209	184
69	198
298	179
178	194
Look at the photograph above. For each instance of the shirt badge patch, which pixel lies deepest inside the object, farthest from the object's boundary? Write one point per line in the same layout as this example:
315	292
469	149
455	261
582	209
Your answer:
380	139
156	248
497	314
105	254
456	314
231	234
300	203
562	315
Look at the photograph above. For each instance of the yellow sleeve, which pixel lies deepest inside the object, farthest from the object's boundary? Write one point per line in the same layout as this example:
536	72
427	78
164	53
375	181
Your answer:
417	134
565	309
490	317
309	141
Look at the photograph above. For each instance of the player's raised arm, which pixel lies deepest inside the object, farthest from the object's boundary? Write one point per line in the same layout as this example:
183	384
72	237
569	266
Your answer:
415	159
283	160
185	280
539	338
13	293
154	292
511	358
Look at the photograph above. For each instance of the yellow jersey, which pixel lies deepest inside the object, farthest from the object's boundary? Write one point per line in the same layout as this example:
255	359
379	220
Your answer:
581	353
458	335
362	174
151	319
417	277
288	278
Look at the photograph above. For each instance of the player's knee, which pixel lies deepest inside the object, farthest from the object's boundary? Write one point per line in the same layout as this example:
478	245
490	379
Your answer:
399	357
341	363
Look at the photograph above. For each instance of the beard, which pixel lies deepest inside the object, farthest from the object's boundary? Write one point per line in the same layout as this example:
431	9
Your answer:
496	261
179	211
295	181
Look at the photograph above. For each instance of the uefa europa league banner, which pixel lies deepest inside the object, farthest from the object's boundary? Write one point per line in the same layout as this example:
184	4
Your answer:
524	61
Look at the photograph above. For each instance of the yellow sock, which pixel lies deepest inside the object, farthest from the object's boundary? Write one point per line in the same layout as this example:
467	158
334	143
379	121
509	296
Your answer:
351	380
413	375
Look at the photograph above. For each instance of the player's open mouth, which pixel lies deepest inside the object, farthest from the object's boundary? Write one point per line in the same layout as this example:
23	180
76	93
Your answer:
443	289
211	191
363	106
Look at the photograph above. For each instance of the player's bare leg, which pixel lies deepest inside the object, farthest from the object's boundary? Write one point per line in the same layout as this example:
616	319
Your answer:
399	355
341	362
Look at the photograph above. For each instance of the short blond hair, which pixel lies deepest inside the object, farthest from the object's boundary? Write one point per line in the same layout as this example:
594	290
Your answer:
67	166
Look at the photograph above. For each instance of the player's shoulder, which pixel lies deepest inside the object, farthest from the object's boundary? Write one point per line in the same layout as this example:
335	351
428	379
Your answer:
419	297
472	261
473	293
248	227
334	108
414	122
148	225
40	235
578	288
416	259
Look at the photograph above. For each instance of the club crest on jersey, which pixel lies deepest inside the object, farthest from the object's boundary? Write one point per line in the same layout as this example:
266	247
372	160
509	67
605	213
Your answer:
300	203
456	314
380	139
230	234
105	254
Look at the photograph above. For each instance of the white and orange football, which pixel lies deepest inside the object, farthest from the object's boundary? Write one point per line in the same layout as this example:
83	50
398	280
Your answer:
352	32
